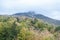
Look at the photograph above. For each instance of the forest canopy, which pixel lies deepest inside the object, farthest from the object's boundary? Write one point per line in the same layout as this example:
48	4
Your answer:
25	28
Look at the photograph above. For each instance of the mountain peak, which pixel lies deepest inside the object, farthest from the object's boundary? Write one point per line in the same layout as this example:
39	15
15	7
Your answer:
30	13
39	16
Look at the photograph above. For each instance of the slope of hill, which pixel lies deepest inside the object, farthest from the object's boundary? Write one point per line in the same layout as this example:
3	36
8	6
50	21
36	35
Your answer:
26	28
39	16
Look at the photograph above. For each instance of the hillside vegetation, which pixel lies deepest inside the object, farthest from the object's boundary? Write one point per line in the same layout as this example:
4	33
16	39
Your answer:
25	28
39	16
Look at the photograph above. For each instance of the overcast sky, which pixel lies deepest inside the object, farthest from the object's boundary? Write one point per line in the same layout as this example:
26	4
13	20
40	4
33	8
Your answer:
50	8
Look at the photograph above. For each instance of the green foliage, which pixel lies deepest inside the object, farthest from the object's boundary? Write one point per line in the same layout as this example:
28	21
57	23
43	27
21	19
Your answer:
57	28
25	28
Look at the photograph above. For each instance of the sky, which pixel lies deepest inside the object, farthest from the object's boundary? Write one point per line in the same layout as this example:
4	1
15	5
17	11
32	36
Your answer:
50	8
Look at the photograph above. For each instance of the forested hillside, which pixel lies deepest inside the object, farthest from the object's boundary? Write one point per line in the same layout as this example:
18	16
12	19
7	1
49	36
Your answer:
39	16
26	28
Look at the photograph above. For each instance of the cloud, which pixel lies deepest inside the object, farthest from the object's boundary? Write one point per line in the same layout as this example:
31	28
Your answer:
50	8
54	15
20	3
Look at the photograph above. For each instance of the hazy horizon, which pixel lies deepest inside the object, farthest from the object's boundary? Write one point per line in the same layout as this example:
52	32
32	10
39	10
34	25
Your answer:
49	8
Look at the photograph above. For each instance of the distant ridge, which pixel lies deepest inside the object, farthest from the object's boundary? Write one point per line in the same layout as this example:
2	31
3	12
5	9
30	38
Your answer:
39	16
